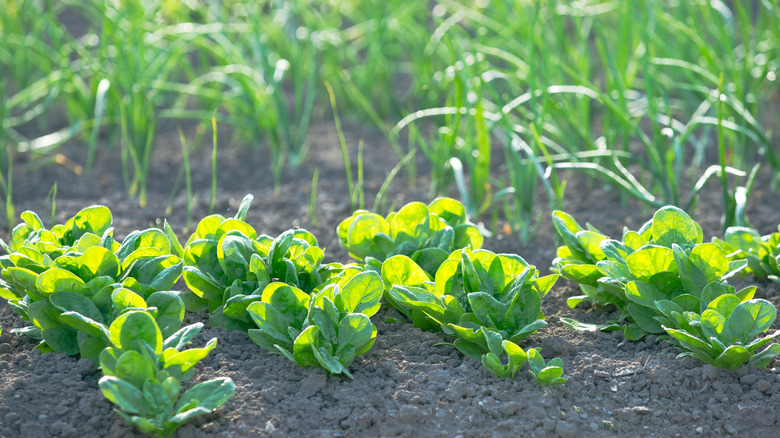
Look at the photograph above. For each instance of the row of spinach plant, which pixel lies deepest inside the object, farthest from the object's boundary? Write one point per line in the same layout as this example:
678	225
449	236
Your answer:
85	293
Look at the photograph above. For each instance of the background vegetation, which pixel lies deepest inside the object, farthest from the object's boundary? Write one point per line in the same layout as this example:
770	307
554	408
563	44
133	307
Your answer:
499	97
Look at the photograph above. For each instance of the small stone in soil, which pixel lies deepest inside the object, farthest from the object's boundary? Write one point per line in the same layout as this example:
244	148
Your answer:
313	384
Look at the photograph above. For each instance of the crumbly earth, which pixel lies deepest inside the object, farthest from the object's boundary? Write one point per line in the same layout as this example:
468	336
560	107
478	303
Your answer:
407	384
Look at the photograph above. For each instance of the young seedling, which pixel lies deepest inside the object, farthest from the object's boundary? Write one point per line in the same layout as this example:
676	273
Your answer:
472	290
328	329
488	302
545	373
143	374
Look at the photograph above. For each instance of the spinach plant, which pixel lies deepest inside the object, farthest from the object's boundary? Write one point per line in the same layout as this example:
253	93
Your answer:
761	252
663	278
232	272
87	285
488	302
473	290
516	357
92	221
548	373
327	329
143	372
425	233
725	333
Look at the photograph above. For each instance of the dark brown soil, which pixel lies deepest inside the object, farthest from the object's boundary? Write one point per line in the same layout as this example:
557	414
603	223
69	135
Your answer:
406	385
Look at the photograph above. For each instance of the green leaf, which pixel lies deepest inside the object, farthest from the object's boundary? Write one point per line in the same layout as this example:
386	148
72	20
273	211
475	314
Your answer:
712	291
43	315
671	225
361	294
305	345
73	302
61	339
410	222
156	399
100	262
122	393
134	368
724	304
733	357
750	318
713	324
124	298
183	336
761	360
176	248
234	252
402	270
643	293
131	329
355	329
590	242
650	260
689	341
208	395
85	325
170	311
95	219
582	274
189	358
58	280
360	234
584	326
451	210
203	286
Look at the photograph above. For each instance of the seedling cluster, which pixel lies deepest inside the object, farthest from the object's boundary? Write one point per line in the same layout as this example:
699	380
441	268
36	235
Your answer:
665	279
86	294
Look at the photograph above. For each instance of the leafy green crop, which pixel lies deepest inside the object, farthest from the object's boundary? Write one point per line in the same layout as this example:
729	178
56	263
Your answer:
472	290
545	373
488	302
664	279
91	222
725	333
327	329
142	375
761	252
232	272
492	359
71	283
426	234
227	266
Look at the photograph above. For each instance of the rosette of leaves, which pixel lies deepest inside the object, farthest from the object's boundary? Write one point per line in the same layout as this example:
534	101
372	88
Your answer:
327	329
62	297
34	248
474	292
761	252
667	280
94	221
232	272
665	260
425	233
725	333
143	371
576	260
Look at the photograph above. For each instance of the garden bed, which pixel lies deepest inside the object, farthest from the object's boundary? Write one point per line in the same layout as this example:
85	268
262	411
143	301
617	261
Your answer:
406	384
